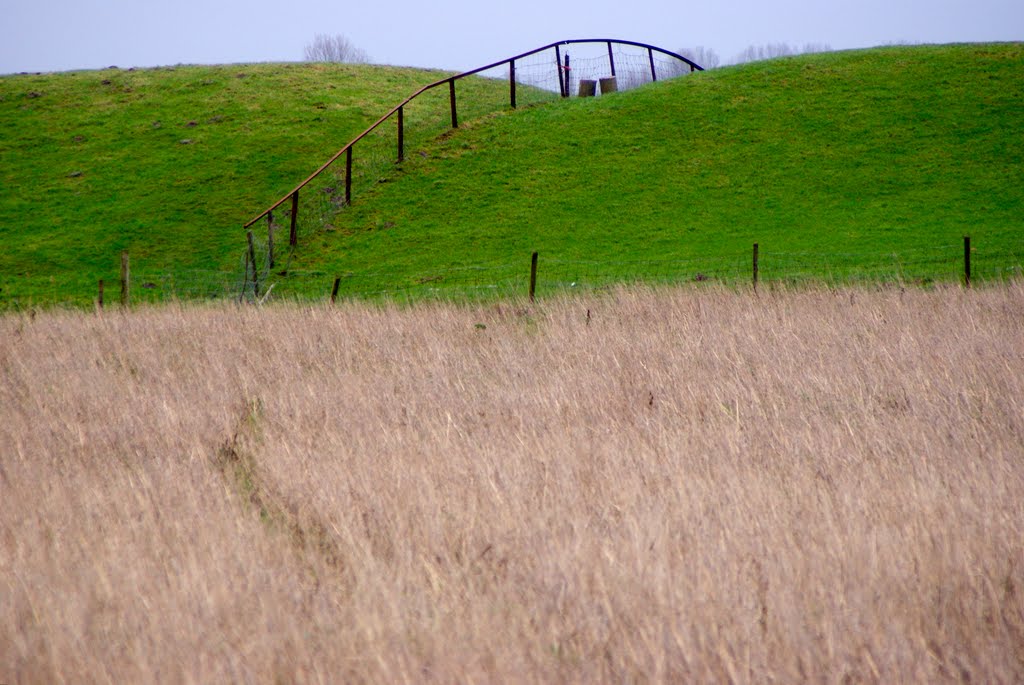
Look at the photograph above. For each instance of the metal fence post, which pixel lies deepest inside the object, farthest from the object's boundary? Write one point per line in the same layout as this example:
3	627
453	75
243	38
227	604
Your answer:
512	82
558	68
568	78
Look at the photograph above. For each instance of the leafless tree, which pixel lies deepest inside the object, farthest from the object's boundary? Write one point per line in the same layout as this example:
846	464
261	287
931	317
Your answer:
704	56
754	53
335	48
816	47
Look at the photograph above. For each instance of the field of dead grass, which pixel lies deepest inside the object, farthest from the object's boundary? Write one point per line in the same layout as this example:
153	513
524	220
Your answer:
688	485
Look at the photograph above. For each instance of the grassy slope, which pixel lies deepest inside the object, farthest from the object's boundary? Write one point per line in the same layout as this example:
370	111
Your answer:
879	151
876	151
93	162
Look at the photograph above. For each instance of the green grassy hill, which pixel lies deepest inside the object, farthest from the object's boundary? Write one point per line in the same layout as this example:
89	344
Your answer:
875	161
166	163
872	162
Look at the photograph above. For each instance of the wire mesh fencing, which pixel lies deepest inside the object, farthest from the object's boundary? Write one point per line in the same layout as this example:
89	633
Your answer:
622	65
256	279
553	274
534	77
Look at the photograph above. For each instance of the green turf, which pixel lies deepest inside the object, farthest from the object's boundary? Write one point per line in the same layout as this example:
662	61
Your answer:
874	161
166	163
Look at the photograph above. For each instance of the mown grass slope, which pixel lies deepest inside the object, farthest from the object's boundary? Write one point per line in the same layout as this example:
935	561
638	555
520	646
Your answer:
851	160
872	162
167	163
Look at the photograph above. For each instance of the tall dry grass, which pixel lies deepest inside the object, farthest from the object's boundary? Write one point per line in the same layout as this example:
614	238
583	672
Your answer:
689	485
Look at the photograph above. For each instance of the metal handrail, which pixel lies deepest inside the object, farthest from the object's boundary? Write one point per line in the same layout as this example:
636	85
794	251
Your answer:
293	194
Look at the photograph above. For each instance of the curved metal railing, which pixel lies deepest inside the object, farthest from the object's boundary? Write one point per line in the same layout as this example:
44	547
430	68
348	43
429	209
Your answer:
399	111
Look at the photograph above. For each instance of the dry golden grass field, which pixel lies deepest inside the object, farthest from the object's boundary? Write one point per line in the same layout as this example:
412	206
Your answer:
691	485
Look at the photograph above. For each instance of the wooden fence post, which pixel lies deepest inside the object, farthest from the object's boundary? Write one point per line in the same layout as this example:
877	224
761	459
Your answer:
348	177
334	290
451	99
756	265
125	297
270	238
512	82
533	275
967	261
401	134
99	300
255	267
293	234
245	279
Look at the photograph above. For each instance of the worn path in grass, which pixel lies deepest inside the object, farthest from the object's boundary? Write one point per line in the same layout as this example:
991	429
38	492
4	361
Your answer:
643	485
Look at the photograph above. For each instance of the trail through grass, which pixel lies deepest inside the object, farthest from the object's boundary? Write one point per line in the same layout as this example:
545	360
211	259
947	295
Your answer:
634	486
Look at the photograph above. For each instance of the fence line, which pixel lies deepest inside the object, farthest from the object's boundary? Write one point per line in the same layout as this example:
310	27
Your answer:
256	281
536	75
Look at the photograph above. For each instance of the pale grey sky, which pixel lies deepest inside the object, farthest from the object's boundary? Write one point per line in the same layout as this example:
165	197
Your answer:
60	35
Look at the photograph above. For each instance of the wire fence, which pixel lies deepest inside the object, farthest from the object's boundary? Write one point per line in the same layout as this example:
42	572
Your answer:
264	271
534	77
554	274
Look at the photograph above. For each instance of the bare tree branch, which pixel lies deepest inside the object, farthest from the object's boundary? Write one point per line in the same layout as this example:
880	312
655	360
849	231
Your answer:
754	53
335	48
704	56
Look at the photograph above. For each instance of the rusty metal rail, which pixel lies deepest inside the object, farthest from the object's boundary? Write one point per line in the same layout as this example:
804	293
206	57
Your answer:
398	110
